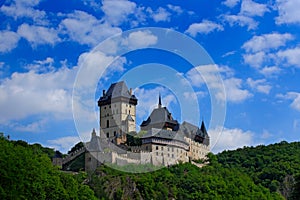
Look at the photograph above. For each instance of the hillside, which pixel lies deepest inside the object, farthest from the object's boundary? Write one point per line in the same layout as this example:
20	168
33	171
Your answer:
263	172
26	172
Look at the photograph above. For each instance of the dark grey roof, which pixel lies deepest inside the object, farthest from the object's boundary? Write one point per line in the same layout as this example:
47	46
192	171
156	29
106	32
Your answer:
164	134
188	129
117	90
159	115
94	144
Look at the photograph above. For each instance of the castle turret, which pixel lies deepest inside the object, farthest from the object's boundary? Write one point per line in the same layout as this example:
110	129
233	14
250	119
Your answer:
117	112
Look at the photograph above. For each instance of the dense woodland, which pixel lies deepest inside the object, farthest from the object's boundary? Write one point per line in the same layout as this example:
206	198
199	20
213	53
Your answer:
262	172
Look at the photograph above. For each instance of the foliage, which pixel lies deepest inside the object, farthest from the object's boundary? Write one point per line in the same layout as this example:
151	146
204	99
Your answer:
133	140
272	166
182	181
26	172
78	146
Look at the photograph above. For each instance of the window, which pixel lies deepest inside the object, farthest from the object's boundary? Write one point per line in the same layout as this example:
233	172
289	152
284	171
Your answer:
107	123
129	111
157	153
146	148
156	147
162	148
107	135
115	133
172	155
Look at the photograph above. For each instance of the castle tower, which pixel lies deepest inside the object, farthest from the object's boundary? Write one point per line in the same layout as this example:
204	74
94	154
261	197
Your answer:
117	112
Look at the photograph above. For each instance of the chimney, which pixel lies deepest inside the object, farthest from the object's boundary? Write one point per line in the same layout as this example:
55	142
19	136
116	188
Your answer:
130	91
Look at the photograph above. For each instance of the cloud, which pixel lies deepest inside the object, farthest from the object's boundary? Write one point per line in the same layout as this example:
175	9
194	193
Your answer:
23	8
148	100
270	71
36	126
251	8
294	96
204	27
255	60
230	139
267	42
176	9
160	15
240	20
30	93
260	85
86	29
288	12
230	3
117	11
290	56
140	39
63	144
209	74
38	35
234	91
8	41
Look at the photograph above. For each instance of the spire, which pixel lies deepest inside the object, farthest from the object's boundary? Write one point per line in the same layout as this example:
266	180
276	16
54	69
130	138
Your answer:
93	133
159	101
203	129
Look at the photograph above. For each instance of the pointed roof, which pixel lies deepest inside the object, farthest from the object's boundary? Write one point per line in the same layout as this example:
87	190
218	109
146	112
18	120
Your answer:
203	129
116	91
159	101
94	144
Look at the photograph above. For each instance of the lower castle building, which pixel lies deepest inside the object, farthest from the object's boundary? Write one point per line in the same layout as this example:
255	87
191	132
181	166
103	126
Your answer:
161	140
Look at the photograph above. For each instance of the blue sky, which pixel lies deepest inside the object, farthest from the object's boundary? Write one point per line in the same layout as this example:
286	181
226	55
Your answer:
254	45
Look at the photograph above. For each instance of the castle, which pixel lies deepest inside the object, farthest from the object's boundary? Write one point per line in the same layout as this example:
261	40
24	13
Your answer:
161	140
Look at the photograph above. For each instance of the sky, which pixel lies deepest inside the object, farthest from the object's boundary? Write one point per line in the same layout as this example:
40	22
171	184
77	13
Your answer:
234	64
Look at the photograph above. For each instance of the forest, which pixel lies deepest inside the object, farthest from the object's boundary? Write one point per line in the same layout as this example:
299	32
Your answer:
262	172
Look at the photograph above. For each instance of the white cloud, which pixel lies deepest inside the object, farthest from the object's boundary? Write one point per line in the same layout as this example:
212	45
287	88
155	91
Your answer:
176	9
234	91
37	35
260	85
8	40
230	3
255	60
251	8
30	93
290	56
230	139
140	39
204	27
211	74
64	144
36	126
86	29
267	42
288	12
148	100
294	96
117	11
23	8
270	71
159	15
241	20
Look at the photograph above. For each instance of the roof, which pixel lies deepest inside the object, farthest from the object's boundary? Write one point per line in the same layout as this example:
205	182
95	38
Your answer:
159	115
117	90
94	144
164	134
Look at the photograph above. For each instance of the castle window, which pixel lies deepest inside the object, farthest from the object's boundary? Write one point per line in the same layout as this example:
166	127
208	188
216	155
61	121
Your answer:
156	147
90	159
172	149
162	148
129	106
129	111
109	106
157	153
146	148
168	155
172	155
115	133
105	107
107	123
168	149
162	154
107	135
